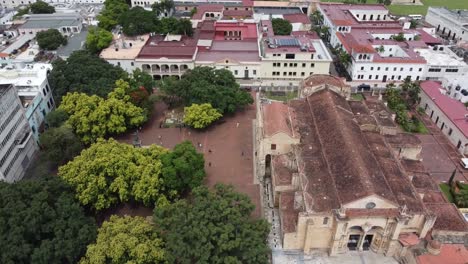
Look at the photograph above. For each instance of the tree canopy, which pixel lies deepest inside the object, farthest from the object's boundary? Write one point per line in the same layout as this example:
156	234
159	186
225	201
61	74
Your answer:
84	72
137	21
212	227
41	7
281	26
60	144
93	117
113	9
41	222
183	168
109	172
56	118
200	115
50	39
126	240
98	39
164	6
207	85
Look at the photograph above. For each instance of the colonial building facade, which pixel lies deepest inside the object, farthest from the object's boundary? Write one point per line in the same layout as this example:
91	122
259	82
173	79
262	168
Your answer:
336	172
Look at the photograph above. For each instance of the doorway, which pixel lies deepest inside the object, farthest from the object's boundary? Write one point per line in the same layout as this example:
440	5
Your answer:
384	78
367	242
268	166
353	242
246	74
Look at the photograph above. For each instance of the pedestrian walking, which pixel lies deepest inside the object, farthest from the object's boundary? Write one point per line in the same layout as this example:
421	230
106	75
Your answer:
242	154
209	164
209	150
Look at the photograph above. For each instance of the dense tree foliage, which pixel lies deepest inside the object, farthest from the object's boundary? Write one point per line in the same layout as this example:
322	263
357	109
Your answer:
126	240
56	118
281	26
109	172
141	89
164	6
113	9
41	7
207	85
183	168
60	144
171	25
50	39
138	21
40	222
84	72
213	227
200	115
93	117
98	39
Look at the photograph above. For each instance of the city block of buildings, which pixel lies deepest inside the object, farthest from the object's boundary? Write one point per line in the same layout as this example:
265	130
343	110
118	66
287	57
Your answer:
386	50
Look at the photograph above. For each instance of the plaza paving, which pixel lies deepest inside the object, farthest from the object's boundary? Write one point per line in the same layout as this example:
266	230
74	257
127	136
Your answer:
231	143
353	257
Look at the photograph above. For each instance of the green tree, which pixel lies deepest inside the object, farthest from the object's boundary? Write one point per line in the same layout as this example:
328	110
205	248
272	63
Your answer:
316	17
50	39
400	37
184	27
183	168
213	227
98	39
200	115
137	21
207	85
164	6
41	222
109	172
281	26
85	73
387	2
193	11
393	97
110	16
126	240
40	7
56	118
60	144
22	11
402	117
93	117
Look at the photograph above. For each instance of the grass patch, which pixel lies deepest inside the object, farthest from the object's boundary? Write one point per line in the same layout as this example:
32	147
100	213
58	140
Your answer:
445	188
357	97
421	128
404	10
281	96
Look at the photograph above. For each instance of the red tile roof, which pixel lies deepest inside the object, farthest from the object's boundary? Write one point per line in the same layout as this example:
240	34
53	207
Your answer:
449	254
238	13
340	16
277	118
408	239
297	18
202	9
452	108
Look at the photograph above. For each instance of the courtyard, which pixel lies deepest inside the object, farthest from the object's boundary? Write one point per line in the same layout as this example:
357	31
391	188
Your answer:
227	147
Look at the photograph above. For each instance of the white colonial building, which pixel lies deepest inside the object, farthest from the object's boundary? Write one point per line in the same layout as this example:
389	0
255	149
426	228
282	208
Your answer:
450	23
449	114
